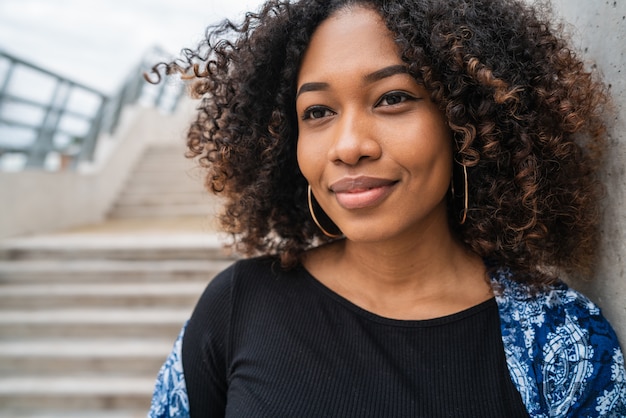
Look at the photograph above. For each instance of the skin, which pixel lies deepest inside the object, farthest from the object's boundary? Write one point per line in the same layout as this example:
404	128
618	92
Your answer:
378	156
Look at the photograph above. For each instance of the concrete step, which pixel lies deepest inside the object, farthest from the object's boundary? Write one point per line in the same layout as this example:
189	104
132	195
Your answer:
115	247
72	393
79	357
165	179
176	197
169	152
166	185
175	161
100	295
97	323
33	271
161	210
44	252
31	412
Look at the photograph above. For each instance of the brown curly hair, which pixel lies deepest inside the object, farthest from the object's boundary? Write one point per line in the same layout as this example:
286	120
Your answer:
524	111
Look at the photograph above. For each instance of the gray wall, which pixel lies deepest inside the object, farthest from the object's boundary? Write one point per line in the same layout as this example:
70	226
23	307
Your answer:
598	28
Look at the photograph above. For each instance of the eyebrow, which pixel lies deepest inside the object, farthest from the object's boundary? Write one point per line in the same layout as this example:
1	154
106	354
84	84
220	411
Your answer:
369	78
386	72
311	87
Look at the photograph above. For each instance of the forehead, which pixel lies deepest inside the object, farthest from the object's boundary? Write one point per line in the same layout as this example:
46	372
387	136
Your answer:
352	38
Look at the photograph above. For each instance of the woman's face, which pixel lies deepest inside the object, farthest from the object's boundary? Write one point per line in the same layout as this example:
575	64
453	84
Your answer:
374	148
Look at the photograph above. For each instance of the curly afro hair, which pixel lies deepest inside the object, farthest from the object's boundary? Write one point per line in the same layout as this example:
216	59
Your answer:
524	110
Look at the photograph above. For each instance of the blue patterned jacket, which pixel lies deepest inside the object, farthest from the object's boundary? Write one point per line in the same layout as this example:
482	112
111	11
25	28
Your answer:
563	356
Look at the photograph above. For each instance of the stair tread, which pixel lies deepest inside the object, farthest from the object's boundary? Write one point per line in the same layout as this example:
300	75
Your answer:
96	316
142	211
76	385
101	289
75	348
118	241
18	266
30	413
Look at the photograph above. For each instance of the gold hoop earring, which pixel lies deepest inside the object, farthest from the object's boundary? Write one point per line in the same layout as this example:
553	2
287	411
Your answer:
312	212
463	216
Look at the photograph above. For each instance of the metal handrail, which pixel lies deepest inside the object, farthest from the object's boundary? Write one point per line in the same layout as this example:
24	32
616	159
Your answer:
46	125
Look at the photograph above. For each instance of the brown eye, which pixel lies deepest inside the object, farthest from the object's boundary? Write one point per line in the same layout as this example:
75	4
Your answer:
316	112
394	98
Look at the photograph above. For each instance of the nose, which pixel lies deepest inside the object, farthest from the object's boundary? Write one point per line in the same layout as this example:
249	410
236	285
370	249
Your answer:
354	139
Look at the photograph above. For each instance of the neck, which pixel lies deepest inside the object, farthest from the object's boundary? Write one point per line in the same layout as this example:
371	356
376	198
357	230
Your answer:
420	262
430	275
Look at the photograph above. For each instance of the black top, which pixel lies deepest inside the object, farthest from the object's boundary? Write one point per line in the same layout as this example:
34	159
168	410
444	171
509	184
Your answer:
263	342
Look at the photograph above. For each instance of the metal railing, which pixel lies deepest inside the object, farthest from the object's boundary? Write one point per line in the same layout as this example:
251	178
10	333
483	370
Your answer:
50	122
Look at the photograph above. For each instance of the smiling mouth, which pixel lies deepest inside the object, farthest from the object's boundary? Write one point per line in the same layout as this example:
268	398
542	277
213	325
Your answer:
362	192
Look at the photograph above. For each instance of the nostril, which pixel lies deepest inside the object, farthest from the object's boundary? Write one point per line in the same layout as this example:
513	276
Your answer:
354	150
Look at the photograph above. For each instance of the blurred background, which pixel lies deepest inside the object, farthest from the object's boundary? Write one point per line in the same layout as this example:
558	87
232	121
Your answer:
96	46
107	238
97	42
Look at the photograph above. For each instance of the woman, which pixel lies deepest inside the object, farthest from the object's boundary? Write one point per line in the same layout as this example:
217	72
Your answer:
415	176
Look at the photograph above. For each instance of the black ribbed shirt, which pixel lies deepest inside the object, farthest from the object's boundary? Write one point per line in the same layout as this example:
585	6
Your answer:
263	342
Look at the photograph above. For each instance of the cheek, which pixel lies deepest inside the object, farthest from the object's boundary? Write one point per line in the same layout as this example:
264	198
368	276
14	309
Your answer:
444	161
442	157
310	155
301	153
425	145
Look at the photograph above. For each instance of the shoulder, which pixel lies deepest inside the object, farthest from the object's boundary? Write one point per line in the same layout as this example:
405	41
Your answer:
250	269
554	313
200	354
247	284
241	272
549	307
560	349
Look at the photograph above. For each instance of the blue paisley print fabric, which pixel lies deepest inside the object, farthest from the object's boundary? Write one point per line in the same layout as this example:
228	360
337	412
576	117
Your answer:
170	393
562	355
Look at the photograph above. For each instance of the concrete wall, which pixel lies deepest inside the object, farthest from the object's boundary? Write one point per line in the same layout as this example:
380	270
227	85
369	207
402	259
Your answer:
38	201
598	28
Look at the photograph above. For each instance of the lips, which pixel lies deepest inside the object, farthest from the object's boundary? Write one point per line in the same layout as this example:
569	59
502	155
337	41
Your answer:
361	192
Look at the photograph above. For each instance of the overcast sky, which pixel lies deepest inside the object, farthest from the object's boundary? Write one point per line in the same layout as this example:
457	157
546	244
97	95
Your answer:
97	42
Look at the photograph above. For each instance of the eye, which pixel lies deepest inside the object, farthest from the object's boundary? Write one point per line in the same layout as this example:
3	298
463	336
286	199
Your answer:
394	98
317	112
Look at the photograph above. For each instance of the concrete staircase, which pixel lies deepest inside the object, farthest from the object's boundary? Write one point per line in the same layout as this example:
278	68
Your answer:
163	184
87	316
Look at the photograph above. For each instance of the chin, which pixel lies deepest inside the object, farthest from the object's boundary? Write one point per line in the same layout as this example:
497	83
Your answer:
367	235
